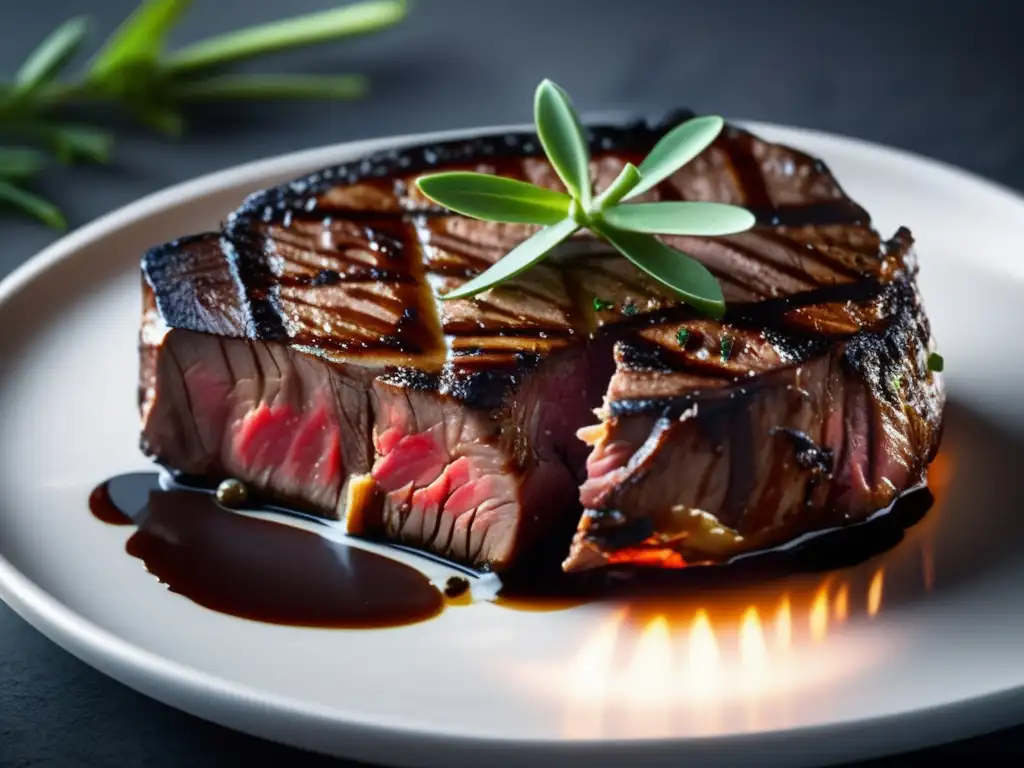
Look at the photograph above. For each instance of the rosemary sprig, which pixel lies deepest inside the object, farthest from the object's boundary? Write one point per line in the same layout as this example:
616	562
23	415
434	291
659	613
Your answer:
134	71
629	228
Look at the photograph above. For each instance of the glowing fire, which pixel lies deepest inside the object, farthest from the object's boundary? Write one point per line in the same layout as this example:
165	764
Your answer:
841	604
875	592
784	623
819	613
752	645
700	658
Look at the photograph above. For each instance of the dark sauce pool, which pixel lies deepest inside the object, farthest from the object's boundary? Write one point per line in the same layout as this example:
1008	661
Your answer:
259	569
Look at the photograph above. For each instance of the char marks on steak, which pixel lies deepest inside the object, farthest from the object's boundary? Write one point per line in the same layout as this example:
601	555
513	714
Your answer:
301	349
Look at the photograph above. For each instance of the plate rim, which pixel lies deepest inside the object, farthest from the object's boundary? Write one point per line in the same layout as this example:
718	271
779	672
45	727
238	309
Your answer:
179	685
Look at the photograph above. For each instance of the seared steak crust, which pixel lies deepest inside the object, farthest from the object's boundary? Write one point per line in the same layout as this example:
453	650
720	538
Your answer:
301	348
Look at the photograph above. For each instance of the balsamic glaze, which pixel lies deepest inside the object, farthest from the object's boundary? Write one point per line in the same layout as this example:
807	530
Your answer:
262	570
259	569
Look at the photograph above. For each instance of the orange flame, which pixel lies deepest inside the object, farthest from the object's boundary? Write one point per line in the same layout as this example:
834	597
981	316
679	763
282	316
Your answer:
841	605
701	657
819	613
875	592
753	649
784	623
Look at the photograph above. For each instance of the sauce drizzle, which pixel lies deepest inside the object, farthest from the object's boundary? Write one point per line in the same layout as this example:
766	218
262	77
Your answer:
259	569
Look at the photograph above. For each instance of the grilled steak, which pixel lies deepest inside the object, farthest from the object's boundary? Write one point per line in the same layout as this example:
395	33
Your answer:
301	349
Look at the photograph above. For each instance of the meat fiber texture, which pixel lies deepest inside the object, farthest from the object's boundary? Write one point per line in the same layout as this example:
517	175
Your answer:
579	409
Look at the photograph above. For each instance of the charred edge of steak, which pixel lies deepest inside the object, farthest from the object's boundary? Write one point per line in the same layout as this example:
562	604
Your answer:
238	291
298	198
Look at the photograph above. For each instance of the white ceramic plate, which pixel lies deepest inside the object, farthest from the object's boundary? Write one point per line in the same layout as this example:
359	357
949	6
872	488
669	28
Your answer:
917	645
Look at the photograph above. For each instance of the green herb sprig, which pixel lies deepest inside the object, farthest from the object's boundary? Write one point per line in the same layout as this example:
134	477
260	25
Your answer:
134	71
629	228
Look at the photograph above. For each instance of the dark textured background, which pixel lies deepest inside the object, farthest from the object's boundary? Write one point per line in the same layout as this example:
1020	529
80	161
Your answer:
940	78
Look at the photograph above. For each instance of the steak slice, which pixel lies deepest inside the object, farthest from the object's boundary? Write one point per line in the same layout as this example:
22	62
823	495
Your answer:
720	439
301	349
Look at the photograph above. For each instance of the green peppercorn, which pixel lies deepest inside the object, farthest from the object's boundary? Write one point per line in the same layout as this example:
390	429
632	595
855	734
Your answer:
232	493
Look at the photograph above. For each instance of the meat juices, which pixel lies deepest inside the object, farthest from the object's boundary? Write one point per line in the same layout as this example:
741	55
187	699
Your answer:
301	349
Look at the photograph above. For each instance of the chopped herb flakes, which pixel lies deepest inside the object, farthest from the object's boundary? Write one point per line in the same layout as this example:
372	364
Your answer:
682	336
600	305
629	309
935	362
726	347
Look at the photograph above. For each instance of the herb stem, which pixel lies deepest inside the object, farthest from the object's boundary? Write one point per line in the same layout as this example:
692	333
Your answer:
311	29
273	87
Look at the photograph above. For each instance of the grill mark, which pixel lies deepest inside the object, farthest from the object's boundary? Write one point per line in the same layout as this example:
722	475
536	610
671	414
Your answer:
629	284
354	317
767	314
800	252
392	302
475	255
671	361
751	254
746	169
527	290
352	267
309	243
839	212
255	282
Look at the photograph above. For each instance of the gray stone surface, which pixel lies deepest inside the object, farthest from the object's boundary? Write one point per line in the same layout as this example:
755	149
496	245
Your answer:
939	78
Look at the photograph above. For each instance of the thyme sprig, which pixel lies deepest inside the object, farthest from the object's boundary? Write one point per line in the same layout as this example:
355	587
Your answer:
630	228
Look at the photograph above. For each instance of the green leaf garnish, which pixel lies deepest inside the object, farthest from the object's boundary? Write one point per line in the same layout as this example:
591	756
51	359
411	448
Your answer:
34	205
675	149
495	198
629	228
18	163
673	269
310	29
600	305
50	57
140	38
682	336
520	258
704	219
935	362
563	139
82	141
